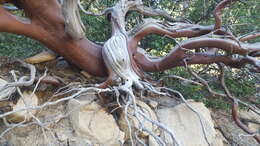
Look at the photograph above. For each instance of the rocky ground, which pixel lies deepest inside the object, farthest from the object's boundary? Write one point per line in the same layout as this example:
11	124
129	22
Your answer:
87	120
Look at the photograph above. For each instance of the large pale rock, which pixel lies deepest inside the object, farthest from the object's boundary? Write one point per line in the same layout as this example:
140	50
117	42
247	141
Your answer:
135	123
250	115
152	141
185	124
219	139
93	123
232	133
28	99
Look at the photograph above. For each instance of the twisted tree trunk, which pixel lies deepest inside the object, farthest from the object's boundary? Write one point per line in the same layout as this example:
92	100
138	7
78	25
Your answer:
57	25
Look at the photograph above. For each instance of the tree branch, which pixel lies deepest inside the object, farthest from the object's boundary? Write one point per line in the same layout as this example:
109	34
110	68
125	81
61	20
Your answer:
173	30
13	24
240	124
151	12
105	12
217	12
175	57
73	24
248	37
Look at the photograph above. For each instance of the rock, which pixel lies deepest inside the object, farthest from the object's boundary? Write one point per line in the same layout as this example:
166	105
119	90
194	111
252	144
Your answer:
219	139
153	104
134	122
233	134
249	115
27	100
91	122
251	118
41	57
152	141
186	126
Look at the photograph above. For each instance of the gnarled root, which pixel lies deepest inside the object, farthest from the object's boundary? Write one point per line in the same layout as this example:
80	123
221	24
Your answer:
9	88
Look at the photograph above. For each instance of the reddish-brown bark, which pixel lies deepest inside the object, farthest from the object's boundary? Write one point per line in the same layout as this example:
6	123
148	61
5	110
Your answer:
249	37
240	124
47	26
175	57
46	23
217	12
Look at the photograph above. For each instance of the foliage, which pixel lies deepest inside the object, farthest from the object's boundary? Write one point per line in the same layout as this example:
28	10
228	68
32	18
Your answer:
18	46
241	85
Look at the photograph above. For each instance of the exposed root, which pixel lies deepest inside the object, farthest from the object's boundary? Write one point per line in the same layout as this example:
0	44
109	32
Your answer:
240	124
139	114
193	110
235	107
216	94
233	99
36	121
9	88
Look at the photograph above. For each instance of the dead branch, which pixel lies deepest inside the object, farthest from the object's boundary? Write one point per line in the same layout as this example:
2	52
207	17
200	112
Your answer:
73	23
104	12
180	78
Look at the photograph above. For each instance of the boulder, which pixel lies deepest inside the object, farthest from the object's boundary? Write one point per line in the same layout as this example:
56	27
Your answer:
152	141
92	123
28	99
153	104
252	118
135	123
186	125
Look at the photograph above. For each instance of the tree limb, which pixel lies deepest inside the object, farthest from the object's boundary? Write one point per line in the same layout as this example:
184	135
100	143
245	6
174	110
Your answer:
248	37
240	124
217	12
13	24
173	30
175	57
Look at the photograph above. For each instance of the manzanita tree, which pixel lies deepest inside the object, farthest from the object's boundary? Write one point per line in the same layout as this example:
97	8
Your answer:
57	25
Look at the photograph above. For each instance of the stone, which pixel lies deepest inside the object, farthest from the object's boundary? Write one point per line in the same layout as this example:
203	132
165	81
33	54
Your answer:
134	122
153	104
219	139
251	116
28	99
186	126
233	134
152	141
91	122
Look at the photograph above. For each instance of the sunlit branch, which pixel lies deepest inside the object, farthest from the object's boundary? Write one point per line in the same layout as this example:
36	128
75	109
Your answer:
217	12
